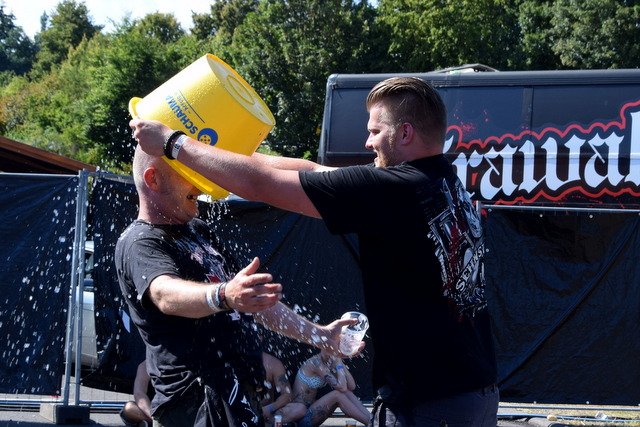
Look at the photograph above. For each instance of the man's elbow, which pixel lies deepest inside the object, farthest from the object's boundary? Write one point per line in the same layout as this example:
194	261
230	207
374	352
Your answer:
173	308
167	308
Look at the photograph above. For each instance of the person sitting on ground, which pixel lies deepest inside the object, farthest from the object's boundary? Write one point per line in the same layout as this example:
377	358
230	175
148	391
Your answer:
278	388
438	271
315	373
137	412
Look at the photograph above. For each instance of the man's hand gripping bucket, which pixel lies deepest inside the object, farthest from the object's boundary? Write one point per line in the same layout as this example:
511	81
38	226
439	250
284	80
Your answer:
212	103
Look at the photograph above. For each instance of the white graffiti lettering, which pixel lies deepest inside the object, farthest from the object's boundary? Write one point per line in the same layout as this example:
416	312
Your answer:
554	164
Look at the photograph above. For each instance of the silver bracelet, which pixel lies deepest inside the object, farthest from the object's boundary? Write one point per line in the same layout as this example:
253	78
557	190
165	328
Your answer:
178	145
210	301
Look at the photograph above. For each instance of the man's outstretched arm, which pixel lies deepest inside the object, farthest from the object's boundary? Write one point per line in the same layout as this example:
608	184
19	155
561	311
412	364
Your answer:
250	177
289	163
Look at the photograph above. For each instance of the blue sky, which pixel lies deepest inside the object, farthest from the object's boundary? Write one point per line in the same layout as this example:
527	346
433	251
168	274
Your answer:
28	12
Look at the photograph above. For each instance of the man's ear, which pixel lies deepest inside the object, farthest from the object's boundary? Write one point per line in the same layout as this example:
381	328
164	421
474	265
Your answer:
407	132
151	178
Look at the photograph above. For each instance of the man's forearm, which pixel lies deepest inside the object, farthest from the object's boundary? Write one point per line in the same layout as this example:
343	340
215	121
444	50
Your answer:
289	163
242	175
248	177
282	400
285	321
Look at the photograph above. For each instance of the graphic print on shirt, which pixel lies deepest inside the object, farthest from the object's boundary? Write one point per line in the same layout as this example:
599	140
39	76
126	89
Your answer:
210	260
207	259
242	404
457	234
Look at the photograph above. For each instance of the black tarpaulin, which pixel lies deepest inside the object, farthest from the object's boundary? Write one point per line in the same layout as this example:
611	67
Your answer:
114	204
565	301
37	228
562	290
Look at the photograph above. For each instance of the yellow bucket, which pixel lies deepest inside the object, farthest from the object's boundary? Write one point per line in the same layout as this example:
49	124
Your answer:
212	103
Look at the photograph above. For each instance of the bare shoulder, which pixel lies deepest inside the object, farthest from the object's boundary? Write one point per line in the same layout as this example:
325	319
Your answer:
271	363
318	366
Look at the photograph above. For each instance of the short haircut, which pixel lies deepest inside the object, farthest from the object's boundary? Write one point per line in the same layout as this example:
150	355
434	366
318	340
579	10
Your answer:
412	100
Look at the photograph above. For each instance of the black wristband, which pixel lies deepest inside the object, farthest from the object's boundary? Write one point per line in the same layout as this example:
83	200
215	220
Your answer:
168	143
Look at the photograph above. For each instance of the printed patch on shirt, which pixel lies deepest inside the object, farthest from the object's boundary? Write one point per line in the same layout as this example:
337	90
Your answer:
457	234
203	253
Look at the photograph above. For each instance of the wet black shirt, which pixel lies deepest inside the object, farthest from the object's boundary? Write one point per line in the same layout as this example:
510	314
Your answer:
179	349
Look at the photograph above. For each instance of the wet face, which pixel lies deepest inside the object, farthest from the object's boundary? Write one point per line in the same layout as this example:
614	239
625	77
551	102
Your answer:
179	198
382	138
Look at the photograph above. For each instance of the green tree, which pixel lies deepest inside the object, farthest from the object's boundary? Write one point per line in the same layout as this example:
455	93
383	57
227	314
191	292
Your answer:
80	110
536	49
48	113
160	26
140	56
572	34
433	34
596	33
224	18
67	27
17	50
287	49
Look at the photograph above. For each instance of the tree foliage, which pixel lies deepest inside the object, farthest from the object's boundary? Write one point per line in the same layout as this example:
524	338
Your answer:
432	34
81	109
48	112
17	51
579	34
68	25
224	18
287	49
536	50
596	33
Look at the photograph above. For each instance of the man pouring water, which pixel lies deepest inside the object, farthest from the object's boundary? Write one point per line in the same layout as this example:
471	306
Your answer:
421	250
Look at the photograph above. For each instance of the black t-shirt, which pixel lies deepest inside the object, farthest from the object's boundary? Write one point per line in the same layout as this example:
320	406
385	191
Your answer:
421	254
180	349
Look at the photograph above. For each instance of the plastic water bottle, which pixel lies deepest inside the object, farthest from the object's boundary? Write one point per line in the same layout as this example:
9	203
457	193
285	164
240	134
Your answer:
352	335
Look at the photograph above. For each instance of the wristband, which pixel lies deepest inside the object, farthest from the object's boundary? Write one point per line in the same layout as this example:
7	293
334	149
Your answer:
168	143
271	408
338	367
178	145
210	302
221	297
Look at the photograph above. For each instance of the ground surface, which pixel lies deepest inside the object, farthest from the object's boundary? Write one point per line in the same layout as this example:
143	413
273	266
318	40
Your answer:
25	411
